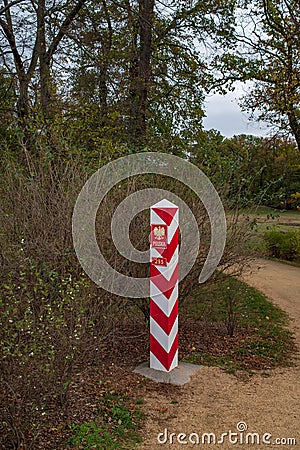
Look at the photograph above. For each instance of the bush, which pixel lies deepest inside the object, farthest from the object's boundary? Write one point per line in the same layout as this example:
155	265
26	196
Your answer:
54	319
283	245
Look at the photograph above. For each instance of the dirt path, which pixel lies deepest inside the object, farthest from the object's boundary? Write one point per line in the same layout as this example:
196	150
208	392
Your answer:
215	402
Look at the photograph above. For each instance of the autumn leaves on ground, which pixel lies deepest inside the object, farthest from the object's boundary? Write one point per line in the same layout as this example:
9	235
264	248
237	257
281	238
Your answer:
254	391
252	376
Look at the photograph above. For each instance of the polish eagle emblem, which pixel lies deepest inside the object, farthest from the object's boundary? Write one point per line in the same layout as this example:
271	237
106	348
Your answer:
159	232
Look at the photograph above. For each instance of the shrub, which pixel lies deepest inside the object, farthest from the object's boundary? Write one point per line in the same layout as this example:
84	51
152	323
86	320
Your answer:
283	245
295	201
54	319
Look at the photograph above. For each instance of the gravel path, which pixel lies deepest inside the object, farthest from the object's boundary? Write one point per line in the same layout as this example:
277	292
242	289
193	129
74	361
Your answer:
216	402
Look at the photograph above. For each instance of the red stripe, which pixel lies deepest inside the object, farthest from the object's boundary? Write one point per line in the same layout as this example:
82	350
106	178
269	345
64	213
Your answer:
165	322
166	214
164	358
165	286
169	251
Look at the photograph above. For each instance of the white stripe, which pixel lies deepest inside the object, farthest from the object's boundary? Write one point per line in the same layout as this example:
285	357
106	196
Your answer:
173	227
166	305
156	364
164	204
155	254
167	271
174	259
155	219
165	340
174	362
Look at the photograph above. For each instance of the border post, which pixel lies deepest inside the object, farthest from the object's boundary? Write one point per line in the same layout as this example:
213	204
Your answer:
164	286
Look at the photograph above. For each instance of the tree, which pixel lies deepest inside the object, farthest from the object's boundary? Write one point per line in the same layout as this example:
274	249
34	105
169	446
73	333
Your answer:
249	170
157	74
138	69
7	101
31	35
267	51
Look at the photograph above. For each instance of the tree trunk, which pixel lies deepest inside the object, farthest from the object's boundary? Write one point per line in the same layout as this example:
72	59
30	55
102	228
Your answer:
146	23
106	43
44	67
295	126
23	112
23	98
140	74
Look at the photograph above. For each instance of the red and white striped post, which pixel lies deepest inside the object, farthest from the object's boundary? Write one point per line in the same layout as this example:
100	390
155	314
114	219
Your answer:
164	286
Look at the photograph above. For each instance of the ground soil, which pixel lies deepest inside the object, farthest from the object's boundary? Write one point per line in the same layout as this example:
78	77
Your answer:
215	402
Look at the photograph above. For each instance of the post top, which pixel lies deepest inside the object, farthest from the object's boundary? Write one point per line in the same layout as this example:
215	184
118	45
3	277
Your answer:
164	204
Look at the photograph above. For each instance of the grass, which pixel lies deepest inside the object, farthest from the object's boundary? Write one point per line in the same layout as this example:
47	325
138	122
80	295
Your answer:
117	426
284	261
264	219
260	339
265	212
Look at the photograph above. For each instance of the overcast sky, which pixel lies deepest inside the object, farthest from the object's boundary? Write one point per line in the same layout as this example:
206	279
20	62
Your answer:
224	114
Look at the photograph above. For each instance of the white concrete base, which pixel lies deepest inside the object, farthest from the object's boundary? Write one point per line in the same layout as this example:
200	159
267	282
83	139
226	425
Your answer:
178	376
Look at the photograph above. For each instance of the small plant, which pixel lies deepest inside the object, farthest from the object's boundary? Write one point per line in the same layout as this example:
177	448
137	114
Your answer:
115	428
283	245
91	435
294	201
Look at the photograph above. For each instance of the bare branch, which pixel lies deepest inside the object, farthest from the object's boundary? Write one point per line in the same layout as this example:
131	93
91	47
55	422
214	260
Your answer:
11	40
39	31
6	7
64	28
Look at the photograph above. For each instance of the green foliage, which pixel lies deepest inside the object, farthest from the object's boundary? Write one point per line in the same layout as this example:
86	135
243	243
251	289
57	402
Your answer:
117	427
34	314
90	435
9	129
252	307
231	299
44	329
294	201
270	57
249	170
283	245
